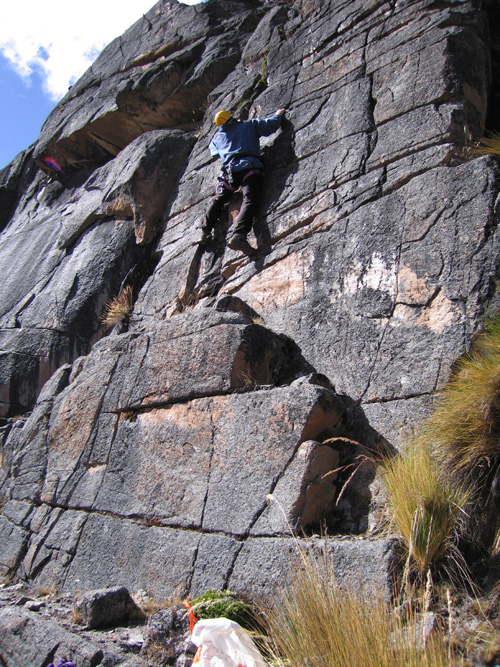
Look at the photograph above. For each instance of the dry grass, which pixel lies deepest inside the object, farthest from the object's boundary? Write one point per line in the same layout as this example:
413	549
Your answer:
464	429
313	622
158	654
152	606
76	616
118	308
446	479
48	590
488	145
425	509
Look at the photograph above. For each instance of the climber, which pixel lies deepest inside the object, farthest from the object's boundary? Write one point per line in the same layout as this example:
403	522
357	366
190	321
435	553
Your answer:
237	144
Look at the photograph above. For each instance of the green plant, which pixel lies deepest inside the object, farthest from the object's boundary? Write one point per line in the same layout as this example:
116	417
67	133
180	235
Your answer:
222	604
312	621
118	308
425	509
262	83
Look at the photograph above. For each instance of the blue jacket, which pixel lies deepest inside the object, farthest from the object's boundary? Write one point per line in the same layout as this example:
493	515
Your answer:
242	138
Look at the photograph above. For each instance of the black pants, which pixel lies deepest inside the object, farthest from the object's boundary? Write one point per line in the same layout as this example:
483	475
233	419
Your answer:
251	187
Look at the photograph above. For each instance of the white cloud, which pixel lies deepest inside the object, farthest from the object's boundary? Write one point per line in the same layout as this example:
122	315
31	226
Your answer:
61	38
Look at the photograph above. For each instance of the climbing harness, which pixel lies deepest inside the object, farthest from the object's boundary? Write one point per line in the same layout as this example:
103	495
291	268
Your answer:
229	178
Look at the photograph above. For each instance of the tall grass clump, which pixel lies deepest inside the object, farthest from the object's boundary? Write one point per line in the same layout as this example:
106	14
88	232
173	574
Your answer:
446	481
425	509
464	431
312	621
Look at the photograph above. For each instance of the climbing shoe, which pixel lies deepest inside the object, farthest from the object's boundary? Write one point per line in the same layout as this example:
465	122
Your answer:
240	243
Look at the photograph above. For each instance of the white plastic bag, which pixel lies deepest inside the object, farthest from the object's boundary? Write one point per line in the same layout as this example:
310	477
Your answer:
224	643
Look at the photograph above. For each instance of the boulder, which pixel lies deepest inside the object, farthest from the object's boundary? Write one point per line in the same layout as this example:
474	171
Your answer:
167	636
109	606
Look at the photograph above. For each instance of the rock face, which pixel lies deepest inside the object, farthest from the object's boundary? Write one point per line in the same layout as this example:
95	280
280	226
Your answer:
180	451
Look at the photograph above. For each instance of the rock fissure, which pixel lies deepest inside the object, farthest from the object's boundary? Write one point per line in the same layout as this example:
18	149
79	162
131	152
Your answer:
87	512
396	399
74	547
151	404
212	450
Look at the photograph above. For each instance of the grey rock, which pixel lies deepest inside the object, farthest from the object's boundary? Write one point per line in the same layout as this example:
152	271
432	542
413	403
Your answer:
14	542
20	602
264	566
109	606
304	494
143	556
13	178
83	247
27	639
144	457
17	512
168	632
136	184
240	356
34	605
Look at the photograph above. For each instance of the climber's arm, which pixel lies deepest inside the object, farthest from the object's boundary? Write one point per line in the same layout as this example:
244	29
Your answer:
267	126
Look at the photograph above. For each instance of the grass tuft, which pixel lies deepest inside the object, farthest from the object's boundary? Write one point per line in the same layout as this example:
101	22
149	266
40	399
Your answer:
489	145
312	621
447	480
464	431
425	509
118	308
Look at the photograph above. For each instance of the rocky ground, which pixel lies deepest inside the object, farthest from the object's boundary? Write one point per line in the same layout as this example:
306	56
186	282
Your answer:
47	626
43	626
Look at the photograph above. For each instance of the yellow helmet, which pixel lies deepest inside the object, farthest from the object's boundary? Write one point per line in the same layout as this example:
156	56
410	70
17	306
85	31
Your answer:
221	117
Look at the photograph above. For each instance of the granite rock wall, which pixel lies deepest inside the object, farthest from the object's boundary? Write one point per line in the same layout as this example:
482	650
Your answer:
180	450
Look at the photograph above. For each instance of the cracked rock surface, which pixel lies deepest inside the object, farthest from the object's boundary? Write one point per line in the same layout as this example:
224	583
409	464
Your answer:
181	449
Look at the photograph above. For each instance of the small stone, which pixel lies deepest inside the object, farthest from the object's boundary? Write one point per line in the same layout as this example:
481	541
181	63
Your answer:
34	605
22	601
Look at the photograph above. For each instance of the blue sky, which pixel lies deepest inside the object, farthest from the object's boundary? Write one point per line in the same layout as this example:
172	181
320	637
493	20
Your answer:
23	108
44	48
